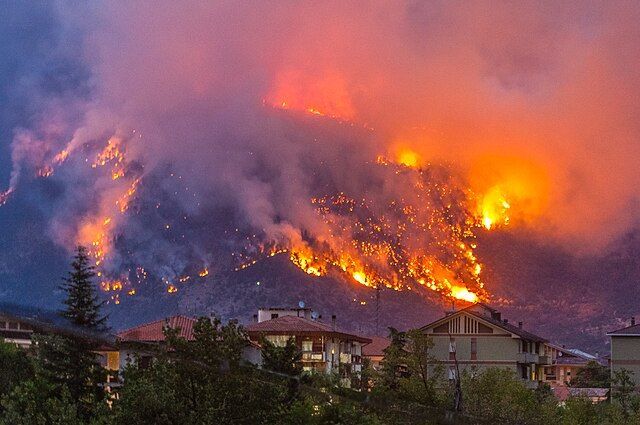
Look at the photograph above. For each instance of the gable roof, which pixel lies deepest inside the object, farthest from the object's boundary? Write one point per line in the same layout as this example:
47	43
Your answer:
378	344
285	325
515	330
154	331
562	392
633	330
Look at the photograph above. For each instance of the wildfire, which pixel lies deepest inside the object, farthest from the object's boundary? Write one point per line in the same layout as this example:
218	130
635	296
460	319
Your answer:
407	157
4	196
204	272
406	244
494	208
464	294
508	188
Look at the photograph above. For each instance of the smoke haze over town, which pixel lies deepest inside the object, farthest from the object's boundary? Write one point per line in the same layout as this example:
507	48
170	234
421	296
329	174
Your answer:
443	151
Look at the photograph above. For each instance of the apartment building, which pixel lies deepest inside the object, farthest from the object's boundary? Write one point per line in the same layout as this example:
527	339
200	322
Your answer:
477	337
625	350
325	347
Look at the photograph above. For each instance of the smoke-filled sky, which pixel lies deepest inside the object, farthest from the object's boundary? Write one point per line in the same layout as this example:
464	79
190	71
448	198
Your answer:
233	115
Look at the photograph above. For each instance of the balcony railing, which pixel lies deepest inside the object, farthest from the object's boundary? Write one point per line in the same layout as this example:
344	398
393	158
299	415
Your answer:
345	357
313	356
545	360
527	358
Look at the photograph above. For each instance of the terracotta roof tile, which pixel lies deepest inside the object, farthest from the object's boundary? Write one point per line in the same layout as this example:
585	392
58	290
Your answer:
153	332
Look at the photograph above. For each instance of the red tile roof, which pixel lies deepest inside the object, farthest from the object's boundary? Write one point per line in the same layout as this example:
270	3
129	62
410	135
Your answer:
285	325
153	332
562	393
378	344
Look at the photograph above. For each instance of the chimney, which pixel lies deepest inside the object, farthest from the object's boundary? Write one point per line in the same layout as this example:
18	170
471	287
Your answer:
633	321
520	325
496	315
255	318
333	321
505	321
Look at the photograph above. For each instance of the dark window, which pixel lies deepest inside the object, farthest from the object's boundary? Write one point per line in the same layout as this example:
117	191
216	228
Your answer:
13	325
474	348
317	346
274	315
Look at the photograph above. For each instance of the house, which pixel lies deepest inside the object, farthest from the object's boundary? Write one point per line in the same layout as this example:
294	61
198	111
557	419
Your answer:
18	325
16	331
375	351
477	337
625	350
595	395
325	348
565	364
141	342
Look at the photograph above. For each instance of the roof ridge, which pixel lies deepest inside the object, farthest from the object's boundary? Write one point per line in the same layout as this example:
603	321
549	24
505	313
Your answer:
141	325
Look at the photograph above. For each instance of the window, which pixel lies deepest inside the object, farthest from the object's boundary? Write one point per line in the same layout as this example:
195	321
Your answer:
13	325
474	348
452	373
279	340
274	315
307	345
452	349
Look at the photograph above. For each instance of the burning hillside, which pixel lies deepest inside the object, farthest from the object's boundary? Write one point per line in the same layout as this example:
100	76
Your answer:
375	146
408	227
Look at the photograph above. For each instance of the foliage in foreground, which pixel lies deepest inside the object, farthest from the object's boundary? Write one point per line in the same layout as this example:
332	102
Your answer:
204	382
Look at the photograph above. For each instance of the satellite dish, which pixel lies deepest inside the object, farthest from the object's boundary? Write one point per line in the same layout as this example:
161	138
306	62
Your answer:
301	304
314	315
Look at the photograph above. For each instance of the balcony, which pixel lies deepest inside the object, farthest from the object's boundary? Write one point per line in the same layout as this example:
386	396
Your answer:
313	356
527	358
345	357
544	360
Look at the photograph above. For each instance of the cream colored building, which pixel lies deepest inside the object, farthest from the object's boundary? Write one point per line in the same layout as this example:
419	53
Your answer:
566	363
625	350
325	347
477	337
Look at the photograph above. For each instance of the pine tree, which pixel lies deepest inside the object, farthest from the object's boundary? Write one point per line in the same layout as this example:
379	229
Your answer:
70	362
83	308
